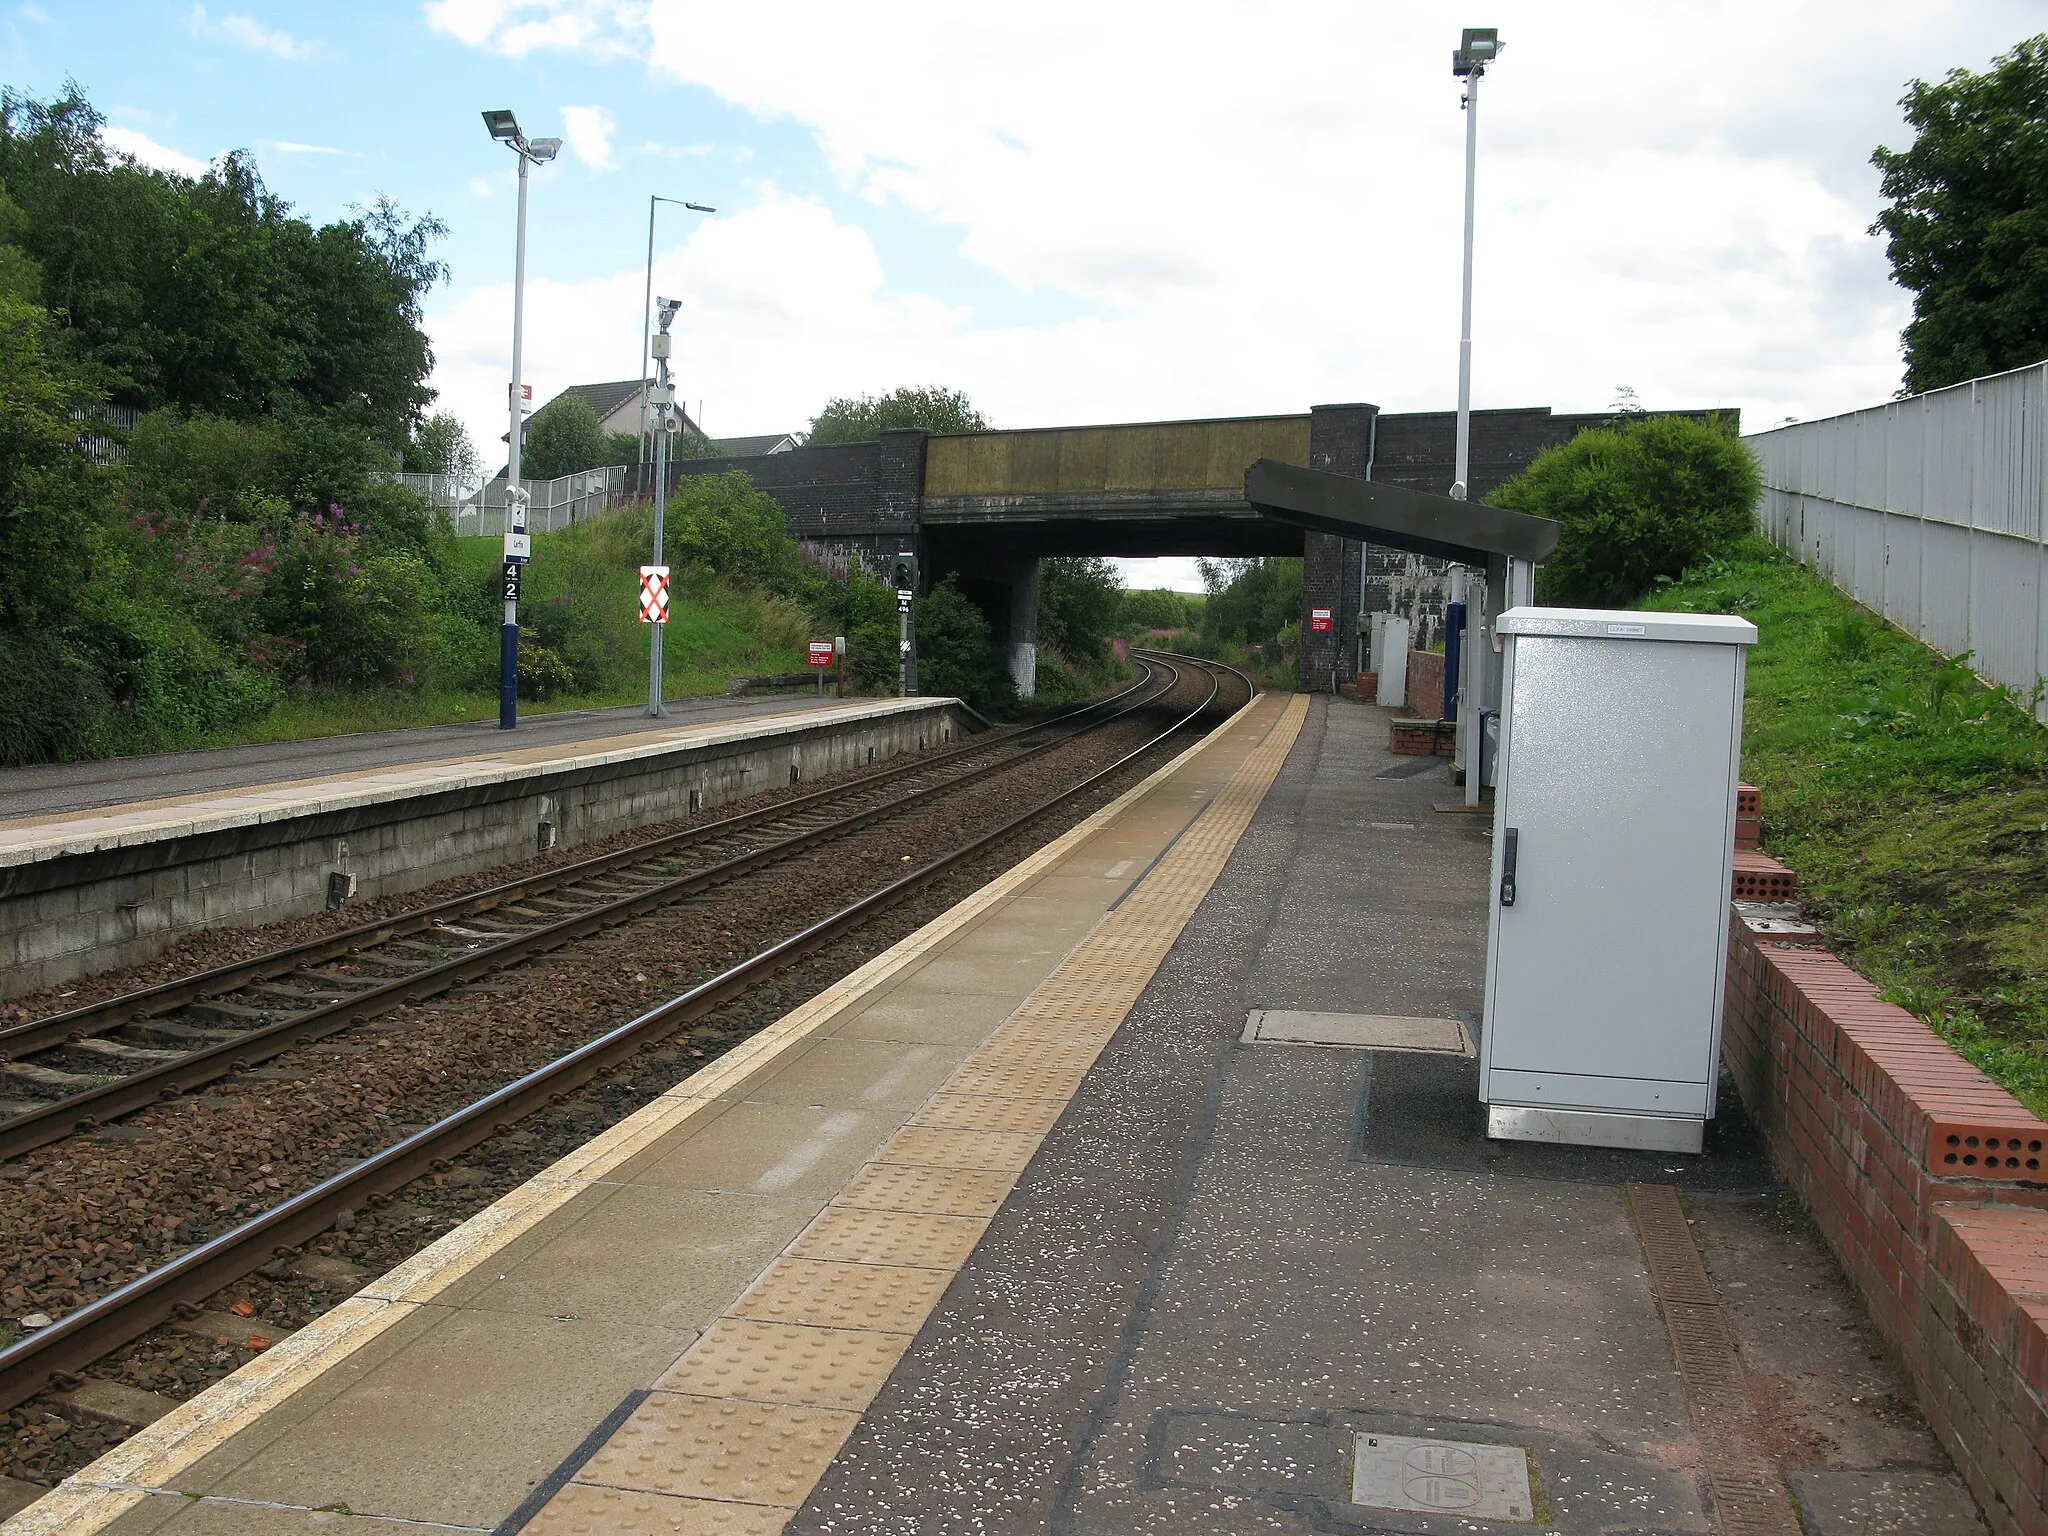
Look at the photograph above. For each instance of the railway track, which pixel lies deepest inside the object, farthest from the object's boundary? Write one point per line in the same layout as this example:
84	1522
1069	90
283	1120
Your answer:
75	1071
53	1355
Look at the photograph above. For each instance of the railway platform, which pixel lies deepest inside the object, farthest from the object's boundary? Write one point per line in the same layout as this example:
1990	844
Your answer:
125	860
1143	1191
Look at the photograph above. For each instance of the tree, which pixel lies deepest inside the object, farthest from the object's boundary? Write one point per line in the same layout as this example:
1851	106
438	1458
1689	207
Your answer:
441	446
1251	601
205	293
1640	500
1153	608
1078	602
565	438
1968	221
861	419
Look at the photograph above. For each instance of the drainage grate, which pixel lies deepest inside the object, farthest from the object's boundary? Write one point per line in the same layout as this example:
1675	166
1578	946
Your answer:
1750	1498
1359	1031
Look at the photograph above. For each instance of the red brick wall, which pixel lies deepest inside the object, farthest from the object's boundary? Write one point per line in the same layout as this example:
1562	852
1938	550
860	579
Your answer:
1888	1137
1426	684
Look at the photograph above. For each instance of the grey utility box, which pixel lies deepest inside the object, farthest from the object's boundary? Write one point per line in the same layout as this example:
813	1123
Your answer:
1613	834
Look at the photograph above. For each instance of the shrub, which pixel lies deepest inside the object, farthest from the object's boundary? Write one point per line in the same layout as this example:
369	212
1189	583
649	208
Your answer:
956	655
1640	501
49	701
1078	603
565	438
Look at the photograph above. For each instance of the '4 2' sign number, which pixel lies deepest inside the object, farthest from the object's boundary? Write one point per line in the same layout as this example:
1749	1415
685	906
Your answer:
511	581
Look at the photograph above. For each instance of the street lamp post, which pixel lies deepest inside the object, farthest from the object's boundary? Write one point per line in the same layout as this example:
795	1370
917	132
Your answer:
1477	48
646	309
504	127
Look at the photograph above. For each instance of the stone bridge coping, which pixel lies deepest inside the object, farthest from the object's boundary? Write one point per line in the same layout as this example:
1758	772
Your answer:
35	839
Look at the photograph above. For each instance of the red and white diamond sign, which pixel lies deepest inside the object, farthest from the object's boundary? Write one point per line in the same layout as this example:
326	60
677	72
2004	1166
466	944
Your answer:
653	594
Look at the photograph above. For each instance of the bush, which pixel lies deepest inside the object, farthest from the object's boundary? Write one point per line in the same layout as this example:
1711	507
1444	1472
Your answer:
1078	603
956	654
565	438
49	701
1640	501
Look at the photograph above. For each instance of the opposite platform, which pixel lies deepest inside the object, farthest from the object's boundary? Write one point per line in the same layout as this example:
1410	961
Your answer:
87	891
737	1266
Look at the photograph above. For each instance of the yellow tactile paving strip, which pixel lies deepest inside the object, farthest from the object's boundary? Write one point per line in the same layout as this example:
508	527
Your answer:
741	1428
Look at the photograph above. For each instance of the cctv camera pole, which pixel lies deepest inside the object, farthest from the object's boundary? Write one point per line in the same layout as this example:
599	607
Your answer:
515	509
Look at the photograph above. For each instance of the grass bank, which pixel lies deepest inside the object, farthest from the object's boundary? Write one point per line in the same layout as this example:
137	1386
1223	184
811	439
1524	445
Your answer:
1911	799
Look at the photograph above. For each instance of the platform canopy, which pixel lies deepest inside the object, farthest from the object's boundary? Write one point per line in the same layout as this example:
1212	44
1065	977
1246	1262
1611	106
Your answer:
1419	522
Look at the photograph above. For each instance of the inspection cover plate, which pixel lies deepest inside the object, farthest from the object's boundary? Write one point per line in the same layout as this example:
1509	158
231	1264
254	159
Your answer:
1443	1477
1359	1031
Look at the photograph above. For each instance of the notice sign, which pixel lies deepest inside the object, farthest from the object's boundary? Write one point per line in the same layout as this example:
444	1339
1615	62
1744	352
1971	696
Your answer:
653	594
511	581
820	653
1319	621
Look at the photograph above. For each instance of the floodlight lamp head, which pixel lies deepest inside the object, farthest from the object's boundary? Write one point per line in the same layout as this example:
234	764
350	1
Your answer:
541	151
502	124
1477	48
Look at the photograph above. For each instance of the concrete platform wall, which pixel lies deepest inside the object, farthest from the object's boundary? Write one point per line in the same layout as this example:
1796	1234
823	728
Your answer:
1930	1183
82	912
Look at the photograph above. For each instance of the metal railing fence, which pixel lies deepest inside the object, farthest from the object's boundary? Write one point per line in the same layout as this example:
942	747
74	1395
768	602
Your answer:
1932	511
480	509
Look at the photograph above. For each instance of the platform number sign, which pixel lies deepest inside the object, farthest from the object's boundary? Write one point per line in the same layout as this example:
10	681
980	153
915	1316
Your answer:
1319	621
653	594
511	581
820	654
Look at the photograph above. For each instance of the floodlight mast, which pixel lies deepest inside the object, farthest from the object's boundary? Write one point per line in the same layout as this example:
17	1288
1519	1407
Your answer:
664	394
504	127
1477	48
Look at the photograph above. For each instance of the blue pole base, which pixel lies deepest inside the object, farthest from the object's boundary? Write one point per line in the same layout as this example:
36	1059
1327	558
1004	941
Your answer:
508	677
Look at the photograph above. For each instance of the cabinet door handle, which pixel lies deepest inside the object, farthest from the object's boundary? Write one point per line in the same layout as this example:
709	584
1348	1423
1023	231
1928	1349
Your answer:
1507	867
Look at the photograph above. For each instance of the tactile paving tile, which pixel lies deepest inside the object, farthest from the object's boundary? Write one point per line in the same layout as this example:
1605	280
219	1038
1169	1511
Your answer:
812	1292
1020	1080
783	1363
1016	1050
993	1151
990	1112
939	1191
714	1448
889	1237
583	1510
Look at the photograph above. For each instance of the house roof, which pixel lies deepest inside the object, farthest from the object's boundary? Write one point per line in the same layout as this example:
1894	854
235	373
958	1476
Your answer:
752	447
604	399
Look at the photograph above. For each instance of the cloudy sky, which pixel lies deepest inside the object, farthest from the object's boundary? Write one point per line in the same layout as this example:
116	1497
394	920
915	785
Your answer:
1087	210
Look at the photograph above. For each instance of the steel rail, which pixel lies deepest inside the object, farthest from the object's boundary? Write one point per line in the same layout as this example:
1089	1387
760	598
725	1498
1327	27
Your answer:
111	1013
51	1355
93	1107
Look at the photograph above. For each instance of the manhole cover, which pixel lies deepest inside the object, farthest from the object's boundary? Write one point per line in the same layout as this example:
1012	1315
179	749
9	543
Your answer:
1359	1031
1438	1477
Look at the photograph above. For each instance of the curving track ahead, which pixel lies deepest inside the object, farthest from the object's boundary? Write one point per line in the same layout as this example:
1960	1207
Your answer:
52	1356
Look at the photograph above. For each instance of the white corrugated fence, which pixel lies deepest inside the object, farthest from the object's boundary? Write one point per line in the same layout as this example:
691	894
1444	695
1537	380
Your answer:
1931	510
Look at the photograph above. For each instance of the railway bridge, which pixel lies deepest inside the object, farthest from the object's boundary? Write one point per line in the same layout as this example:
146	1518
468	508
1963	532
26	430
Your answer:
988	506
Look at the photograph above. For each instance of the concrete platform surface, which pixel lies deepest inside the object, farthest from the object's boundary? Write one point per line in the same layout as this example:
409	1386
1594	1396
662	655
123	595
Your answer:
53	789
156	817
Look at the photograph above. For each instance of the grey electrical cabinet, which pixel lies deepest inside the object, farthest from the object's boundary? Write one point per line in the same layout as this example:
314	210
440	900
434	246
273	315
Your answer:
1614	830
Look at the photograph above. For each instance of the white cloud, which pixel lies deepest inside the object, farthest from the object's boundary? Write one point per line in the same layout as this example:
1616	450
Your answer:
516	28
287	147
141	147
1259	207
589	132
251	33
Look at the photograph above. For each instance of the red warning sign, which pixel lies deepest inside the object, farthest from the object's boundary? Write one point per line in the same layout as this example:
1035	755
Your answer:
1319	621
653	594
820	653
